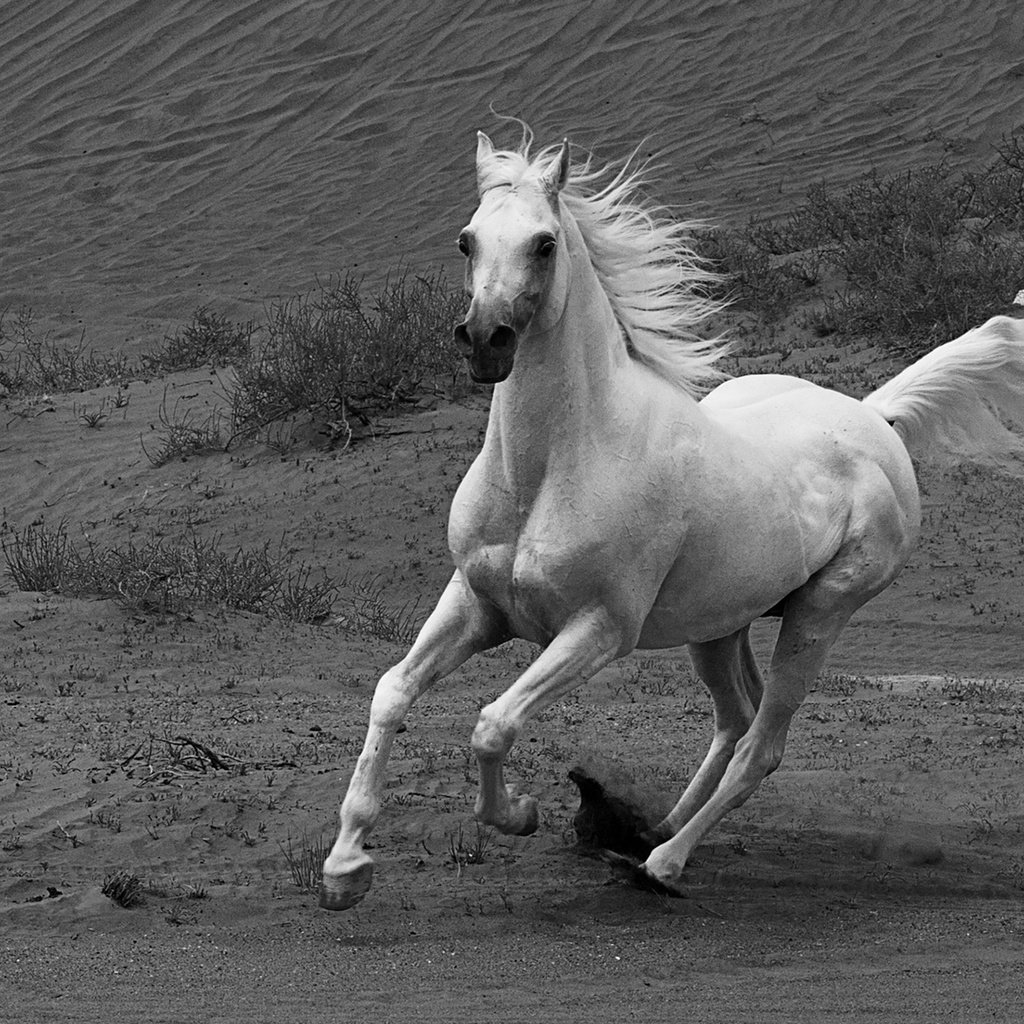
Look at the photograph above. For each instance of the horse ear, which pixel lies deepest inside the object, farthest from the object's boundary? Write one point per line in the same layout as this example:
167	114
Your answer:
484	149
555	177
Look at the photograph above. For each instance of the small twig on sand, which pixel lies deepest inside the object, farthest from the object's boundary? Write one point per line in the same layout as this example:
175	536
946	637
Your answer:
216	760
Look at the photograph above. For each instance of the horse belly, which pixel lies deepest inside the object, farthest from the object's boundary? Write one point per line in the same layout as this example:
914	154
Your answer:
705	598
674	624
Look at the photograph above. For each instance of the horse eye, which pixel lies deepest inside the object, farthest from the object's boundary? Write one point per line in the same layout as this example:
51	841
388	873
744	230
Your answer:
546	247
463	245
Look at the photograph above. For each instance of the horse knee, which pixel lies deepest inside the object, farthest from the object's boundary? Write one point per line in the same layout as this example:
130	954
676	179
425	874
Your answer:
391	700
493	736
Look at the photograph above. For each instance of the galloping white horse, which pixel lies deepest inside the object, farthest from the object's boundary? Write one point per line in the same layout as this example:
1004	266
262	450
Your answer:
609	510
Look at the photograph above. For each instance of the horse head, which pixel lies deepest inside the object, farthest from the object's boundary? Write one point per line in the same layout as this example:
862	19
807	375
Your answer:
511	249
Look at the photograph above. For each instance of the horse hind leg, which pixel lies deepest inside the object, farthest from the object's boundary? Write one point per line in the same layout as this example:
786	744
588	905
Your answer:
733	679
813	617
804	641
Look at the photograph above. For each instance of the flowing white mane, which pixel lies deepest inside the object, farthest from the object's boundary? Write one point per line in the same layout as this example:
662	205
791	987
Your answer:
655	282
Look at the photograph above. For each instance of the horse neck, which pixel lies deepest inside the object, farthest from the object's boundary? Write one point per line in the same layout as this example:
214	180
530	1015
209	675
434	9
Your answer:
564	382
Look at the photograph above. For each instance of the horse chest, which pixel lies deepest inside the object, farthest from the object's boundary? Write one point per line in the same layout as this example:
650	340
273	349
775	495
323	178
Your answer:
522	560
541	554
534	586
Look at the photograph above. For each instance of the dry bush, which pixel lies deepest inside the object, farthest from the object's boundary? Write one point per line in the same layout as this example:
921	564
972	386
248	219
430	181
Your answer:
208	339
306	861
339	357
924	255
165	575
124	888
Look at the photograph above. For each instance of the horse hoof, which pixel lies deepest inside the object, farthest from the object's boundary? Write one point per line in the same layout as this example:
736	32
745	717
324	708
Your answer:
343	891
638	876
526	819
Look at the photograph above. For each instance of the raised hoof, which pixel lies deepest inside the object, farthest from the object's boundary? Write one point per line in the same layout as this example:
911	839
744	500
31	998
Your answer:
341	892
636	874
527	818
523	818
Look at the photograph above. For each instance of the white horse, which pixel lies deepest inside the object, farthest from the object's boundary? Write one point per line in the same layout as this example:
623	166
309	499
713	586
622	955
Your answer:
610	510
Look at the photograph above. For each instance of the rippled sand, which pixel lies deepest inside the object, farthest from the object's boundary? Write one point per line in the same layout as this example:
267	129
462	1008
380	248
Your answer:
170	153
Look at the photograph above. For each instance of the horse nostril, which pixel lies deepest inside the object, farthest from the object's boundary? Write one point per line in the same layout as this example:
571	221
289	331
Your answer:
462	339
503	337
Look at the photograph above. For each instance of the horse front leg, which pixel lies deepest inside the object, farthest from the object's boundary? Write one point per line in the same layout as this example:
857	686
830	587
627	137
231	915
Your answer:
586	644
458	627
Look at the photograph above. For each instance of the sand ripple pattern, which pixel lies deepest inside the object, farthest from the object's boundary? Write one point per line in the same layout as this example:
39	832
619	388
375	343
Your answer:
165	153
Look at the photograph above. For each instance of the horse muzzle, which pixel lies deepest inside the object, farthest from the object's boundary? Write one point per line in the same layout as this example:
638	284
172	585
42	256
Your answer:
490	351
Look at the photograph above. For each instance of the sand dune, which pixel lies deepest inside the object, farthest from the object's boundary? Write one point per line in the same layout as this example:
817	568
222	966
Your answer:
159	155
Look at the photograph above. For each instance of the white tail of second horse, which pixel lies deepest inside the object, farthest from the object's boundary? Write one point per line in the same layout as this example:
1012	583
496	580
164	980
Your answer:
610	510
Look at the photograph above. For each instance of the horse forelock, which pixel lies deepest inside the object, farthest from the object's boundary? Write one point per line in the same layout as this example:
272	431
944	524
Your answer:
502	169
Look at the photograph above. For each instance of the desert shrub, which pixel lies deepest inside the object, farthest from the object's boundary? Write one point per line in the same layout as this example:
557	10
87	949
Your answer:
124	888
30	364
934	289
307	596
167	575
339	357
306	860
751	279
925	255
183	434
366	611
998	191
301	362
39	559
209	338
919	267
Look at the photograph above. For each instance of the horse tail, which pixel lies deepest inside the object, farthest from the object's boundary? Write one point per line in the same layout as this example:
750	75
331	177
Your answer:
958	399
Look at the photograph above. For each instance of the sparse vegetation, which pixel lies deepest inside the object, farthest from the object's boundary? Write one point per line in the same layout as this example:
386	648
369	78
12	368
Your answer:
306	860
982	692
184	434
342	359
33	365
917	258
337	356
166	575
124	888
175	575
463	850
366	612
208	339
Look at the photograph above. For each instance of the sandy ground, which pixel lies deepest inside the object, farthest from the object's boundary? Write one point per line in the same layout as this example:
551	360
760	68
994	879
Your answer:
186	152
163	155
878	876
